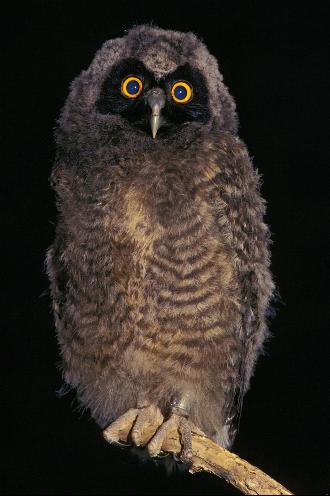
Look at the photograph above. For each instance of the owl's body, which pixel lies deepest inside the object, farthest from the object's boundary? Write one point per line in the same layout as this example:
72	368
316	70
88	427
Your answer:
159	271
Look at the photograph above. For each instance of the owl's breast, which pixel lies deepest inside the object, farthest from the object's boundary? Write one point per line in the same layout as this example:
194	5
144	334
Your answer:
186	291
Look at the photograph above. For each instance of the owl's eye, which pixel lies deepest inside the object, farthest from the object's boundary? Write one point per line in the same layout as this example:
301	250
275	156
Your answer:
181	92
131	87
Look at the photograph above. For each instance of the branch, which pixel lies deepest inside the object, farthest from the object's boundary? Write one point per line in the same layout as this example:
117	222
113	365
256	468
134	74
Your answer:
210	457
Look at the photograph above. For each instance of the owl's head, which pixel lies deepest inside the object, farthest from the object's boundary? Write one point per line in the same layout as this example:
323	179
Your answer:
151	85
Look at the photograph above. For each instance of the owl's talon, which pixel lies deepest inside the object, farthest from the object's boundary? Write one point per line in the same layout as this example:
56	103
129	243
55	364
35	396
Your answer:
120	444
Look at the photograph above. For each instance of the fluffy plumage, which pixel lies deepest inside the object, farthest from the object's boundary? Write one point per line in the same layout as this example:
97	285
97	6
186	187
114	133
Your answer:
160	267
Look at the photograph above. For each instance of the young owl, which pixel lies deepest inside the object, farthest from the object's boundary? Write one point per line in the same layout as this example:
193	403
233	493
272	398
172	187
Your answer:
160	267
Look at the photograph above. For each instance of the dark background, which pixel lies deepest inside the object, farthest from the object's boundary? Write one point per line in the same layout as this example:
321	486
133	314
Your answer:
273	57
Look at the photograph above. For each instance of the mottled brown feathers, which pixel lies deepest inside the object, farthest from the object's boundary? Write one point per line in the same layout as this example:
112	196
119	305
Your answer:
159	270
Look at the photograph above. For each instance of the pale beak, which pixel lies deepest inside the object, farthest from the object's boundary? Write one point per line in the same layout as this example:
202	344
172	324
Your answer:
156	100
155	121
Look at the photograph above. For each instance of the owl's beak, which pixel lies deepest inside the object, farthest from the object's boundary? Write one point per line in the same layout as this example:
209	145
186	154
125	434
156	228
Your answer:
156	100
155	122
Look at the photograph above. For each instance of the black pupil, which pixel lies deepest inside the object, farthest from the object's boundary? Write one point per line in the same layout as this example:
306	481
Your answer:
132	87
180	92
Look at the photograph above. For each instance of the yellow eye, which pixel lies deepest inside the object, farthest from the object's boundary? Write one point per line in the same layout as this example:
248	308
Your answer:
131	87
181	92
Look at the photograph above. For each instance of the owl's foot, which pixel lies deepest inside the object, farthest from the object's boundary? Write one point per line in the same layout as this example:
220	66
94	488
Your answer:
115	433
132	425
178	421
146	426
150	418
174	422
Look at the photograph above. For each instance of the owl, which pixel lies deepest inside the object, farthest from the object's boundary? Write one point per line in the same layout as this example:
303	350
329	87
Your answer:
159	272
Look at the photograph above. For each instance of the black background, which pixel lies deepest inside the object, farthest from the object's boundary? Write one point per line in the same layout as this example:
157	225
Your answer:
273	57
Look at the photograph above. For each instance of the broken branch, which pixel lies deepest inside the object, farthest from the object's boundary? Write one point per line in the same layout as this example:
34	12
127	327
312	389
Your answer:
208	456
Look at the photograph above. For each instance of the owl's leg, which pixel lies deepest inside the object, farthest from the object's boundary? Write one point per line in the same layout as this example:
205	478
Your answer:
178	420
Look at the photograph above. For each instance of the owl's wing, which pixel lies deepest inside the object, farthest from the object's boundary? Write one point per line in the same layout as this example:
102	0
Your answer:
240	208
57	275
